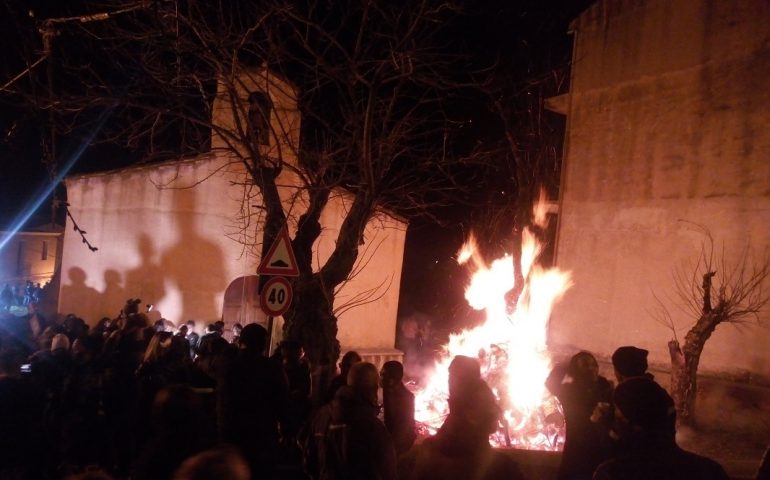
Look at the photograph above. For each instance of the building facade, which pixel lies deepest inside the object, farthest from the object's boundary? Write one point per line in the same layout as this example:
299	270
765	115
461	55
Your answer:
185	236
667	137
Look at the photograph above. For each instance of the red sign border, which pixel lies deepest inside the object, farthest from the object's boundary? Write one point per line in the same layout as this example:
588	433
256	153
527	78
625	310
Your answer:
292	270
266	288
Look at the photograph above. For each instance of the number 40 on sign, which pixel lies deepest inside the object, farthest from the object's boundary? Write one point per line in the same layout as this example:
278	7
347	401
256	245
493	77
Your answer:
276	296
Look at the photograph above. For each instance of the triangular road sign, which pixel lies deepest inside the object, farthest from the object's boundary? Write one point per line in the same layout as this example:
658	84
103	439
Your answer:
280	258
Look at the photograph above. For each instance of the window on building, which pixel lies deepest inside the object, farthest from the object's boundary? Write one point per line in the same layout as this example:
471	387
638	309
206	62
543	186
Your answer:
260	107
44	251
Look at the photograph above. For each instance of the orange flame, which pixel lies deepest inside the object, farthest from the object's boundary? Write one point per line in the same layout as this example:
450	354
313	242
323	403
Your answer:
511	347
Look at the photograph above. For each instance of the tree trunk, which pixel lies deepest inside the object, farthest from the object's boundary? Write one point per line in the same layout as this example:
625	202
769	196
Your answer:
684	366
311	322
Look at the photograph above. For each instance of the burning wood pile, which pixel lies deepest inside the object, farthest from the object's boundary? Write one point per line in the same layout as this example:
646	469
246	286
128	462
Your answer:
509	345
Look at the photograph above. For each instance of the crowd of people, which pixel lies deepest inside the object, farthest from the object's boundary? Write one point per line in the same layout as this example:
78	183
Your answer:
130	399
20	295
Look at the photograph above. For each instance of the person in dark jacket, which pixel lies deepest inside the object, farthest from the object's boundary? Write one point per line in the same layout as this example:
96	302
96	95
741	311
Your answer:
192	338
297	373
580	388
177	413
348	441
460	450
398	406
24	451
252	394
647	417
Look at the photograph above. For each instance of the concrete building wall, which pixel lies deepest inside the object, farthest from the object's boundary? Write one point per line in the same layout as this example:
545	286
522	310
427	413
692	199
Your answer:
169	234
667	129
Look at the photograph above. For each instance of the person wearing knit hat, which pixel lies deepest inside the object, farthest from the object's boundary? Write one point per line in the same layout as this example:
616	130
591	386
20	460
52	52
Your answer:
630	362
645	412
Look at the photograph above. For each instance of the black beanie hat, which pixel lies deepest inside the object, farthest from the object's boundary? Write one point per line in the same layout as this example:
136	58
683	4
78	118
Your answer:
630	361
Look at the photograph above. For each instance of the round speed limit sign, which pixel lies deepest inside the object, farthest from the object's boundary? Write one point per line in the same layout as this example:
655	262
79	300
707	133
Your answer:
276	295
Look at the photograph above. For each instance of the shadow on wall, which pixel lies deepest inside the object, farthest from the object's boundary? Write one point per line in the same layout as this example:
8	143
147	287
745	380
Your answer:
192	264
77	292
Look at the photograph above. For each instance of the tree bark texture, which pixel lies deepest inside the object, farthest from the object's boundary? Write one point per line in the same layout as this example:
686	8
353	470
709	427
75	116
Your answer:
685	360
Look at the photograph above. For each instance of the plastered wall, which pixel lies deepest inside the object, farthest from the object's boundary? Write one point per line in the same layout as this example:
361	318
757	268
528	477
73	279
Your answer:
668	119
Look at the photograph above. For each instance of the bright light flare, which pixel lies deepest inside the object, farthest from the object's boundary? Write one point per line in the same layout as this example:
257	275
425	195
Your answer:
511	347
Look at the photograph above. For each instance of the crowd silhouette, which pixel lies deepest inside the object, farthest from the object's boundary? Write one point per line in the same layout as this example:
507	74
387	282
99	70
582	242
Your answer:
130	399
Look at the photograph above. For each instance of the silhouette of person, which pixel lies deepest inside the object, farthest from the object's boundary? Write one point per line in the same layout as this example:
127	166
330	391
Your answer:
580	389
147	280
221	463
461	449
114	294
347	439
200	282
398	406
252	394
76	293
348	360
646	415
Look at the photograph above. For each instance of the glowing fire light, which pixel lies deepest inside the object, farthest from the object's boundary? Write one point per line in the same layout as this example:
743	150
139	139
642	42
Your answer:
511	347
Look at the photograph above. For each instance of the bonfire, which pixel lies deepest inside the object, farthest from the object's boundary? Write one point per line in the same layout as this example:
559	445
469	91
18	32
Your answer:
510	345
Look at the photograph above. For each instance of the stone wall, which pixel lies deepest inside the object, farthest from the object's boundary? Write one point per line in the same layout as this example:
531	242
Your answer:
667	132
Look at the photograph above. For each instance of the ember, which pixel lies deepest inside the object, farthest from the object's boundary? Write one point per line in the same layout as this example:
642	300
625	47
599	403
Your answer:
511	347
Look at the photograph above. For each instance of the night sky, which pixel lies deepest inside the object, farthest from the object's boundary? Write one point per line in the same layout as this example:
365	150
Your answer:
527	38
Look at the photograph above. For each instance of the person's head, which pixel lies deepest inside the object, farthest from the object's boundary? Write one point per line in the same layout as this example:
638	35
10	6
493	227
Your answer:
343	404
182	330
629	362
132	306
103	325
583	367
391	374
219	326
85	348
221	463
237	329
348	360
74	326
464	373
60	342
173	407
253	338
364	380
477	411
642	405
159	343
190	326
179	350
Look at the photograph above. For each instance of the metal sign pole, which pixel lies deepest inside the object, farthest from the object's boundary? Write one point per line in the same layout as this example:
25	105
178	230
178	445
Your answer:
269	347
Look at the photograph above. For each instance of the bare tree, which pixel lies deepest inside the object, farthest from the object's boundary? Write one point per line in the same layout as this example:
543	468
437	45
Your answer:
715	291
373	81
